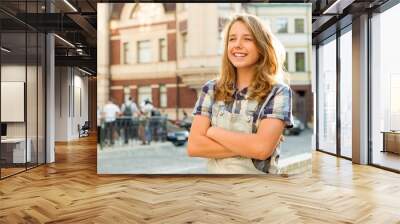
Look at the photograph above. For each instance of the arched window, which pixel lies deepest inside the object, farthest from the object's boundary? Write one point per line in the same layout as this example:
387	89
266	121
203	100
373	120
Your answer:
147	12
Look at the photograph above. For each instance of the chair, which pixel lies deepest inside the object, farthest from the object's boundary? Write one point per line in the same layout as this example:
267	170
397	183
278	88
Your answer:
84	130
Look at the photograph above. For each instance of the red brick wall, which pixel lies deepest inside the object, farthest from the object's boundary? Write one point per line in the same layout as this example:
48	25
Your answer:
171	95
118	96
171	38
171	25
115	32
308	98
187	97
134	94
115	52
155	94
143	82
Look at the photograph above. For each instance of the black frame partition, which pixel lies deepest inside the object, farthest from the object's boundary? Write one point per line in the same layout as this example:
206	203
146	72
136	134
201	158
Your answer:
16	58
339	28
340	33
332	37
27	39
338	98
381	9
332	33
0	101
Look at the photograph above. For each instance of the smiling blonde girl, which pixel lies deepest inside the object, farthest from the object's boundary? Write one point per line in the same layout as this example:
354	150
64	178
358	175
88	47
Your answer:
240	117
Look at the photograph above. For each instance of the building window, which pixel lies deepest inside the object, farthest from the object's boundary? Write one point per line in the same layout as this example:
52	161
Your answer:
299	25
300	62
163	96
127	58
144	93
265	19
282	25
286	64
220	43
184	45
144	51
163	49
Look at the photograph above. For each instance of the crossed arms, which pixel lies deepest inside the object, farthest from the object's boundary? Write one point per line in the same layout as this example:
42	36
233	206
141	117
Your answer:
213	142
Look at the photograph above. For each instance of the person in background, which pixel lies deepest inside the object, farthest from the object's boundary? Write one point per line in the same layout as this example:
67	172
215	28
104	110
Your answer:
129	111
129	108
147	108
186	121
163	113
111	112
185	116
162	127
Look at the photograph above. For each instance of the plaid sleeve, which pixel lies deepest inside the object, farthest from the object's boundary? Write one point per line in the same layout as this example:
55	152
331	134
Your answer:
280	105
206	99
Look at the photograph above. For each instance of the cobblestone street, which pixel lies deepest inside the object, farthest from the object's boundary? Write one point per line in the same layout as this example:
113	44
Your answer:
165	158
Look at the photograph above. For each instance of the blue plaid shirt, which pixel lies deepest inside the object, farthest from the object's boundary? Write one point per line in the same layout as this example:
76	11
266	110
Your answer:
279	106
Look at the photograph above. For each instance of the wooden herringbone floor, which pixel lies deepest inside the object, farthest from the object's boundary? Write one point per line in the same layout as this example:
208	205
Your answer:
70	191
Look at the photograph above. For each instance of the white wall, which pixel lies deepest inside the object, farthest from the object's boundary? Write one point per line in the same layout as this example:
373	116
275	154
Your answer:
80	103
71	94
33	125
12	73
61	103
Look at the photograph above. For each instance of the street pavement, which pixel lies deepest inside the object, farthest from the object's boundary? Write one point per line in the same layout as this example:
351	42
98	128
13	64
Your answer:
165	158
294	145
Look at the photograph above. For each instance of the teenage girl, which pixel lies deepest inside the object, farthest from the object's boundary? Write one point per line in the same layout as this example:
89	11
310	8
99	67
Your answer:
240	117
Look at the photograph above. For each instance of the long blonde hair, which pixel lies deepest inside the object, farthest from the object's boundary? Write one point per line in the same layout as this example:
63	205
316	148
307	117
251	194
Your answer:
268	68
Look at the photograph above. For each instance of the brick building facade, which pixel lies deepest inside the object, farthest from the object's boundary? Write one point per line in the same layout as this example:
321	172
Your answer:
160	47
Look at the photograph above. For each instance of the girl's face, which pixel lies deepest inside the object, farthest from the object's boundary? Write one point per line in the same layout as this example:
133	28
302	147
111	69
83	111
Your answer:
242	49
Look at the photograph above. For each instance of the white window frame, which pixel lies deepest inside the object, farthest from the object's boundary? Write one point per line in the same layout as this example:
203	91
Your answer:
163	50
184	41
140	59
277	22
304	25
163	95
144	92
305	61
126	56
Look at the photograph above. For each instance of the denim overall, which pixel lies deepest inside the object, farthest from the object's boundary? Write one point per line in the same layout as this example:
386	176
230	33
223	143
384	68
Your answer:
240	118
242	122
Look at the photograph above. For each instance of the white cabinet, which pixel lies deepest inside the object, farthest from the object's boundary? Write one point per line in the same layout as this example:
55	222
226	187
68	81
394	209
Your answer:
18	149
